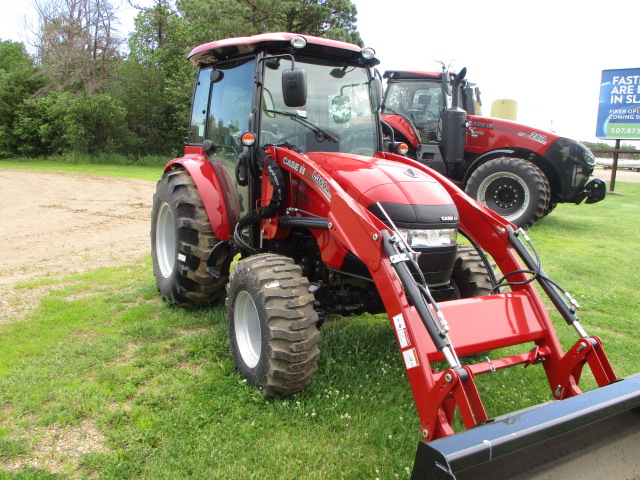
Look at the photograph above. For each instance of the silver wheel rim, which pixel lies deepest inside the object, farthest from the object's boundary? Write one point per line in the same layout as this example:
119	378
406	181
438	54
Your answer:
165	240
486	183
247	329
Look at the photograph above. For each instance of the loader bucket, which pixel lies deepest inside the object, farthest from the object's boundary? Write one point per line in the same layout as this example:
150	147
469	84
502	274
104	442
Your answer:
592	435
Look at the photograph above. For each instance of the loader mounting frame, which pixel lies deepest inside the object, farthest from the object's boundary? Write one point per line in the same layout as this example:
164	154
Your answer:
476	324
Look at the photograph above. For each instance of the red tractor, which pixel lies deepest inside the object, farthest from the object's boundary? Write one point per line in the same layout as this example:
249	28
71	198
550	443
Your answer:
520	172
285	202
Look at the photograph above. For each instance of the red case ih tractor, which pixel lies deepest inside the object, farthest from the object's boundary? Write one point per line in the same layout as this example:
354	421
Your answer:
284	169
520	172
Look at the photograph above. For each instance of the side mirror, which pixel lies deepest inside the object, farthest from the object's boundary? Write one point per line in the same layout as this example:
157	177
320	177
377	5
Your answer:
376	94
294	87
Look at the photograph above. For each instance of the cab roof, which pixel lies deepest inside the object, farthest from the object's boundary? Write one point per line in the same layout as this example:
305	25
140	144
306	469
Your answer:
234	47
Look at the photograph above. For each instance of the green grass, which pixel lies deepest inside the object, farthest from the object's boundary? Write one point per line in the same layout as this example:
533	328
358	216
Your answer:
139	172
156	394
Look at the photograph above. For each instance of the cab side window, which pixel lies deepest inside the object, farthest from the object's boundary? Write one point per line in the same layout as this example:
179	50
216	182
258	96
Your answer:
199	108
230	107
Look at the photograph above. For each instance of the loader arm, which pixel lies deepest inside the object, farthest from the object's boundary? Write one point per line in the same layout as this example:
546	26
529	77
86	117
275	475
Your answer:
507	319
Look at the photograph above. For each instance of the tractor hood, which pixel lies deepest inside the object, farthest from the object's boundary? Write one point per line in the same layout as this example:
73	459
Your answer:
498	131
411	197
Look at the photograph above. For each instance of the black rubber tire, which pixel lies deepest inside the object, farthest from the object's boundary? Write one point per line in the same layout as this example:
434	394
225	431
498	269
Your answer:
513	188
273	328
469	276
181	240
550	208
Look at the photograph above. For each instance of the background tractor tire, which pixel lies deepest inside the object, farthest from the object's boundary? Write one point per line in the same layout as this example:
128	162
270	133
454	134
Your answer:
181	239
513	188
469	276
272	324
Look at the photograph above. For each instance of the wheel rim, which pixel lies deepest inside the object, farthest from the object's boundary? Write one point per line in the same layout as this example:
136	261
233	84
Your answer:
504	193
247	329
165	240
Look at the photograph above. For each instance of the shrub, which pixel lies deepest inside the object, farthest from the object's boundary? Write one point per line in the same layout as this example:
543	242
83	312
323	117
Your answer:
96	124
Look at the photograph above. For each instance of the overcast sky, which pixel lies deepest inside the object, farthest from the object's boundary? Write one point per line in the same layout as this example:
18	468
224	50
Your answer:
548	55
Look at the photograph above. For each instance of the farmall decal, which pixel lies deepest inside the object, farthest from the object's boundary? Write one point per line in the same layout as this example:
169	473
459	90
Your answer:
322	183
295	166
315	176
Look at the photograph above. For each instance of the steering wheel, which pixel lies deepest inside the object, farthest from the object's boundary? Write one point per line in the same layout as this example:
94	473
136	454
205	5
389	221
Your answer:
424	115
267	137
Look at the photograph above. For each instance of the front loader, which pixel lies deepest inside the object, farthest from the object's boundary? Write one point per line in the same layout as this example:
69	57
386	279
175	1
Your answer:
288	201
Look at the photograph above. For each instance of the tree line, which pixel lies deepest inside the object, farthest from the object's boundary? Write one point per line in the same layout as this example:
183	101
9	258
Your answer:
605	146
86	88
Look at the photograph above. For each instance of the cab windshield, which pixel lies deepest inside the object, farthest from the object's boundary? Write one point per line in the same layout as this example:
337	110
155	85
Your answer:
420	103
338	114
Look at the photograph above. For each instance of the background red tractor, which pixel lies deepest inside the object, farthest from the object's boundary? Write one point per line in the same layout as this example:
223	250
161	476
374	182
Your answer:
284	175
520	172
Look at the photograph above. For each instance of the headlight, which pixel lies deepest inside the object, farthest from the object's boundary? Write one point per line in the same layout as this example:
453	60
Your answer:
429	238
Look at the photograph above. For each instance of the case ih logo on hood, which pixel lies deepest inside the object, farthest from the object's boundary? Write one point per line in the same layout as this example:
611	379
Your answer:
322	183
296	167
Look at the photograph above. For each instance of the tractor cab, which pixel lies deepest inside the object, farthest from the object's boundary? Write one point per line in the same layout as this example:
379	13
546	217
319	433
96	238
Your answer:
419	102
422	97
280	89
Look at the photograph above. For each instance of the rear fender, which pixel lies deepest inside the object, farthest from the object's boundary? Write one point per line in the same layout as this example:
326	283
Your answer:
476	162
402	125
209	186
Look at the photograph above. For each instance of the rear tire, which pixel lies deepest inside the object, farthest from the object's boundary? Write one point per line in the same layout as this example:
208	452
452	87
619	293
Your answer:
513	188
181	240
272	324
469	276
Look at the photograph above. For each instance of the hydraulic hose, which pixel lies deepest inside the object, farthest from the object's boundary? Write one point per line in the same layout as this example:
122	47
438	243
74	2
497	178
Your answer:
439	338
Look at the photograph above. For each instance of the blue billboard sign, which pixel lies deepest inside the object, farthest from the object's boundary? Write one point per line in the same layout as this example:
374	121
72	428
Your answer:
619	109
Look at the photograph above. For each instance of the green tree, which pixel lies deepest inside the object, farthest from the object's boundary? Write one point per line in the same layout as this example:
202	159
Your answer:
40	124
216	19
19	80
77	43
95	124
156	80
63	122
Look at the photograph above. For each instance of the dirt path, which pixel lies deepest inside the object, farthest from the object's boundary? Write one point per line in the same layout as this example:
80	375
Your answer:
621	176
57	223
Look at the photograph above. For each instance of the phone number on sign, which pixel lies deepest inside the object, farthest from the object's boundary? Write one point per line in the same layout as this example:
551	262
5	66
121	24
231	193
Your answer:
625	130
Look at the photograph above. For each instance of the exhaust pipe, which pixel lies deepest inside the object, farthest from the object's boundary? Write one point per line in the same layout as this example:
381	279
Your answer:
454	123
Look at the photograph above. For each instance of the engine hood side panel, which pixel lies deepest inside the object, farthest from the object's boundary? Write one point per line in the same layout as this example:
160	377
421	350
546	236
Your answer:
488	133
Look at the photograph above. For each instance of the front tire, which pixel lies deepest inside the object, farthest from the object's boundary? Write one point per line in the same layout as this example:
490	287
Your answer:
272	324
181	240
470	277
513	188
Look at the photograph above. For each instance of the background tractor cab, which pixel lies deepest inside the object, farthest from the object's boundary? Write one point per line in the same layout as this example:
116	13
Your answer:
520	172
